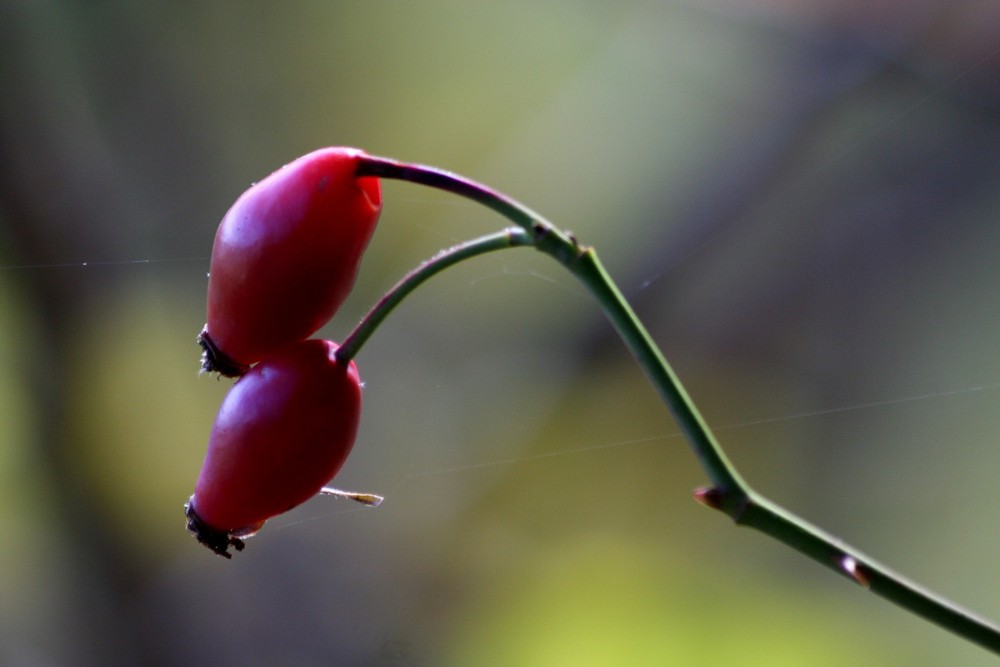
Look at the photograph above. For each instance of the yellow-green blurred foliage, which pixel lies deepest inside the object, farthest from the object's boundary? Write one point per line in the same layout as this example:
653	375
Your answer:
799	199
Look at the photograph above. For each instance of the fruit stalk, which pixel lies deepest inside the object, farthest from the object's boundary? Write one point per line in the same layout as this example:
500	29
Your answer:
728	493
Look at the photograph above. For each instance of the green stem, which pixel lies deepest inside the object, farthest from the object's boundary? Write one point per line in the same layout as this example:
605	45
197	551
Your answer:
871	575
729	493
509	238
589	270
449	182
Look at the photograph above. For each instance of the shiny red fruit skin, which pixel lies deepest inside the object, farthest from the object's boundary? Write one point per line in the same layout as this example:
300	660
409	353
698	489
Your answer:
282	432
286	255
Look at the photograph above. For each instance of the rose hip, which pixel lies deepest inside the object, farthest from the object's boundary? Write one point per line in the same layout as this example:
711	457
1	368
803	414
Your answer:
285	257
283	431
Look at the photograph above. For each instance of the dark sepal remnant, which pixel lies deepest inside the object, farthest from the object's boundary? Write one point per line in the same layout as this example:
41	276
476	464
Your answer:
213	360
216	540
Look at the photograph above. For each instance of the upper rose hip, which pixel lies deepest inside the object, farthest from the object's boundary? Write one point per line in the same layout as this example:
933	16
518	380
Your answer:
286	255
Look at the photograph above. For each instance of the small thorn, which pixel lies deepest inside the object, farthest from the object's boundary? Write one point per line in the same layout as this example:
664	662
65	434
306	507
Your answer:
369	499
709	497
855	571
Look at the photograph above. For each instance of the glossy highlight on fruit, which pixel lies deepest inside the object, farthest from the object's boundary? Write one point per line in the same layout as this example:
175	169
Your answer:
283	431
285	256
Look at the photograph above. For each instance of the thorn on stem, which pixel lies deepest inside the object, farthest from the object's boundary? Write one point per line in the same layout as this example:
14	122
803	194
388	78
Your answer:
709	496
853	569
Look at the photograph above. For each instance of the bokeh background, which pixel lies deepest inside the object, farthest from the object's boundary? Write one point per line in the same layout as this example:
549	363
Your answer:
800	199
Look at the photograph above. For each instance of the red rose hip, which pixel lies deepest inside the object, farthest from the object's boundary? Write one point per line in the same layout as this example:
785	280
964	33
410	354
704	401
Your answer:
283	431
285	257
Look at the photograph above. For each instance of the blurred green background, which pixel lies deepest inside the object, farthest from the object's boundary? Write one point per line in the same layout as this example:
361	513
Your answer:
800	199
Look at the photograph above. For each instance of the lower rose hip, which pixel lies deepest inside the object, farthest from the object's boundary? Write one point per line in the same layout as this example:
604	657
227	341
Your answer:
283	431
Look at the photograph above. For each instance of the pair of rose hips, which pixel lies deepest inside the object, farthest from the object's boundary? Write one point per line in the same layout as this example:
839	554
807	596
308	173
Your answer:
285	257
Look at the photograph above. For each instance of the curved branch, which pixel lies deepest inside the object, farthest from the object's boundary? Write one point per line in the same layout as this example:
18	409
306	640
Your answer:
728	493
